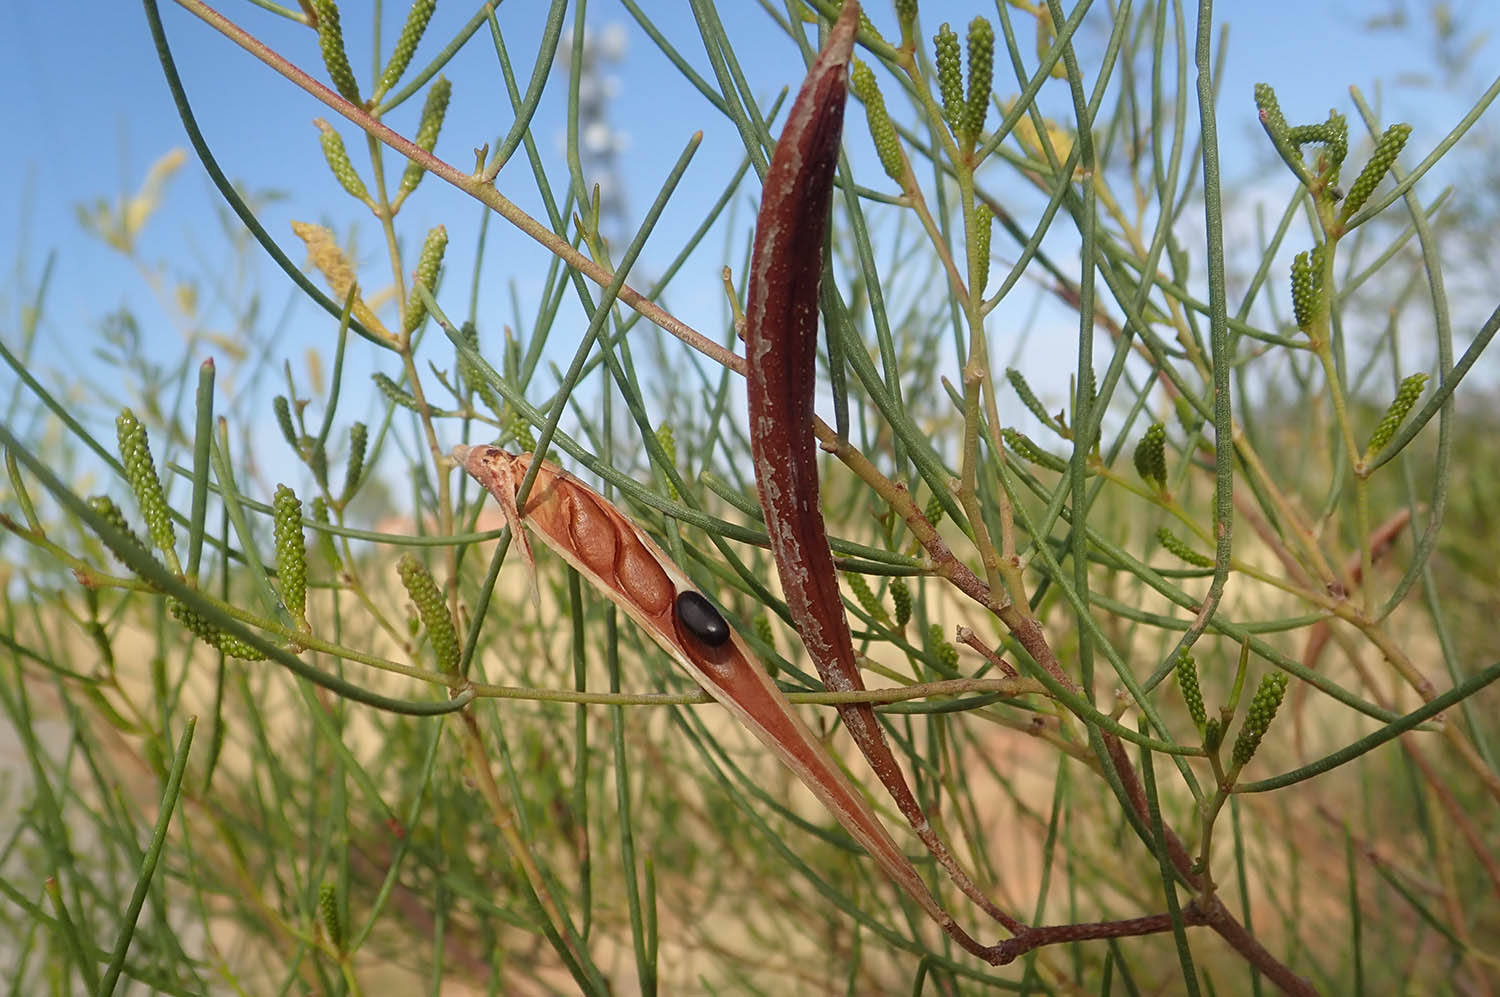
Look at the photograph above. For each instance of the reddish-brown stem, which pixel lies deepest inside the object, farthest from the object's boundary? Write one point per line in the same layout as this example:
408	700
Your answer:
971	639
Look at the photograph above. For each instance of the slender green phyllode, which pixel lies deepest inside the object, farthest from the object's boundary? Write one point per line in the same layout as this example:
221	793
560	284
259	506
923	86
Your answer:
331	44
1258	718
429	601
140	473
1406	397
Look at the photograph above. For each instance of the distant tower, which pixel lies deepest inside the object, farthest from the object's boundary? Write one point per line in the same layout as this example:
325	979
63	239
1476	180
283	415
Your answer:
599	144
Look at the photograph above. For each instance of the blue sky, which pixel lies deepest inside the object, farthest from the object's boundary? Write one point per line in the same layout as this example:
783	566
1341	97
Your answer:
89	113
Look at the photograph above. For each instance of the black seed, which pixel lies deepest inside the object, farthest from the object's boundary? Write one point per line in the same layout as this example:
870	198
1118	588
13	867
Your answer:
701	619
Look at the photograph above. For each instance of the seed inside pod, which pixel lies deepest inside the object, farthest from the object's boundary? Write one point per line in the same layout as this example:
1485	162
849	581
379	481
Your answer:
699	617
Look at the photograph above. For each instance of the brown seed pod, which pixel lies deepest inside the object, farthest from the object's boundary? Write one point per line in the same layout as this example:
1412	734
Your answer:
781	345
619	559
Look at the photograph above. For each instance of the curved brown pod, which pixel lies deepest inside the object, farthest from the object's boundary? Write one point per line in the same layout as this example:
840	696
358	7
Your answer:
781	346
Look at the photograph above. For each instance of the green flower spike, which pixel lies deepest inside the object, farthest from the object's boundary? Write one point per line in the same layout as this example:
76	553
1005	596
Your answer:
429	601
428	127
934	510
946	652
331	43
283	410
1023	445
868	600
882	132
901	598
950	78
1381	161
1178	547
1333	135
428	265
979	266
668	441
981	50
906	17
520	431
1406	397
338	161
471	373
1258	719
1271	117
317	462
328	908
1029	399
1192	695
1304	302
394	393
105	506
406	43
211	635
1307	288
354	468
1151	455
291	552
140	472
325	539
763	630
